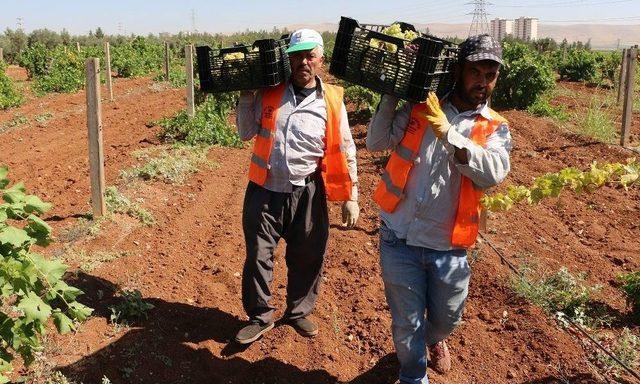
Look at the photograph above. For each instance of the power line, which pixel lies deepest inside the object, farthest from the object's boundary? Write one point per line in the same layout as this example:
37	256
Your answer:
594	20
564	4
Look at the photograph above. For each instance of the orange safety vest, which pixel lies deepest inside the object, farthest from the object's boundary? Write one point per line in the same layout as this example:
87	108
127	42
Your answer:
390	189
335	172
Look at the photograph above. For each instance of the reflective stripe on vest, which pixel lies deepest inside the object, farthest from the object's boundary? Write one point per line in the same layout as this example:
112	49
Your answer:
263	145
390	190
335	172
467	222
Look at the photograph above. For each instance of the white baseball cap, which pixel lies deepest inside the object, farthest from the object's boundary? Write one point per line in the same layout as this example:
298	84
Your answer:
304	39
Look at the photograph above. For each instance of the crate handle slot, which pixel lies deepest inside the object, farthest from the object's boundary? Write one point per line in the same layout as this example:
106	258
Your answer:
386	38
240	49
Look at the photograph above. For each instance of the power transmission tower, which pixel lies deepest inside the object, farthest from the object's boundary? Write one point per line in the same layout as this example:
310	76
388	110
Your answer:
193	21
120	29
20	23
479	24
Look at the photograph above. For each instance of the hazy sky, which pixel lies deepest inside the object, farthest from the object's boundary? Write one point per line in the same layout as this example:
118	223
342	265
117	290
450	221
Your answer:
141	17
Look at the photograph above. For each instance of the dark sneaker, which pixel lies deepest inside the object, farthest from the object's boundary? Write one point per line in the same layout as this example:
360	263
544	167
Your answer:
439	357
304	326
252	332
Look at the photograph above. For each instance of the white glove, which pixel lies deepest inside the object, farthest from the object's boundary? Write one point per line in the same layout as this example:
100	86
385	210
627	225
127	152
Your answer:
350	213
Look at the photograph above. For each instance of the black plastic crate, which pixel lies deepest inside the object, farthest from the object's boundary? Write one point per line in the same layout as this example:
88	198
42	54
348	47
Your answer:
267	66
415	68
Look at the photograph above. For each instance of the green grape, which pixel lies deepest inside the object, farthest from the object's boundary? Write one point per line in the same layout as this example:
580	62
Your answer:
395	31
410	35
233	56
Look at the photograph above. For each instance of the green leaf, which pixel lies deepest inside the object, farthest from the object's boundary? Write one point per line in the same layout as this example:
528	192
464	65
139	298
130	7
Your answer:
5	364
15	210
39	230
26	351
7	290
79	311
53	269
34	204
34	308
63	323
6	328
4	181
68	292
3	214
13	236
627	180
14	194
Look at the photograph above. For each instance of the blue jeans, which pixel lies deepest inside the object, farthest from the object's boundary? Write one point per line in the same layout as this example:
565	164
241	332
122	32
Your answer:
419	280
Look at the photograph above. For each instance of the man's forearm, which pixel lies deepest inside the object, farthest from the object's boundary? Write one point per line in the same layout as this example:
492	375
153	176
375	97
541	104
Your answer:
381	129
485	166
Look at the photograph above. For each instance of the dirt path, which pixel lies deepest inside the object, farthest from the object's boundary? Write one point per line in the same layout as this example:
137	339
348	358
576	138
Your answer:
188	265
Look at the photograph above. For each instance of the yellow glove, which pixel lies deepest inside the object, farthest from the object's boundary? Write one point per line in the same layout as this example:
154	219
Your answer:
436	116
350	213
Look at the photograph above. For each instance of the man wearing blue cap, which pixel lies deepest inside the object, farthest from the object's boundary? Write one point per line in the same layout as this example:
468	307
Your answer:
303	155
445	153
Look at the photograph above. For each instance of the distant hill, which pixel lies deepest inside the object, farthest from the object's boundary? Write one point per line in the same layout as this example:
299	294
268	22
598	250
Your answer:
603	36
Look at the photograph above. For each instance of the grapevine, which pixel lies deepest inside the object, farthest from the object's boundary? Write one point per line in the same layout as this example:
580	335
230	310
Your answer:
552	184
31	285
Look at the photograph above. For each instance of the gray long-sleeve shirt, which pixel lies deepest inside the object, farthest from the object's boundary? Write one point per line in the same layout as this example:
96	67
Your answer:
299	142
426	215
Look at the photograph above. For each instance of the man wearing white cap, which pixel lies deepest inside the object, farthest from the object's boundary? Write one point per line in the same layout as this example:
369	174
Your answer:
303	155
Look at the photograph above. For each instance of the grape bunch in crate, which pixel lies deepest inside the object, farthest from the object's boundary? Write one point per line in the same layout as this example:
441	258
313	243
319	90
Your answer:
393	59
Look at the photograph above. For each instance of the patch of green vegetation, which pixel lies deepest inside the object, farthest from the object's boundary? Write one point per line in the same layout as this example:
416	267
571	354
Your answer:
209	126
18	120
43	118
88	261
171	165
10	96
626	347
362	98
85	226
631	288
131	308
58	378
561	292
596	122
118	203
177	75
542	108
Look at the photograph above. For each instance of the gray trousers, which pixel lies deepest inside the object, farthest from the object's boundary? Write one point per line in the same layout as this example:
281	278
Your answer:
301	218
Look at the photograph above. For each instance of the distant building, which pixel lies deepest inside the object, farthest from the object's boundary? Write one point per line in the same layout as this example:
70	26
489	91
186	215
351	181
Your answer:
526	28
501	28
